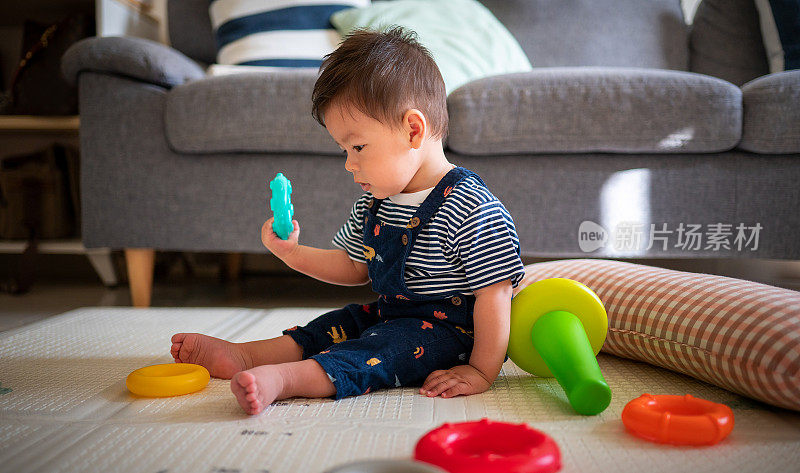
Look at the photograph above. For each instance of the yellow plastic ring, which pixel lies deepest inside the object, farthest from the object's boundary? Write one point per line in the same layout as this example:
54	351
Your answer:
169	379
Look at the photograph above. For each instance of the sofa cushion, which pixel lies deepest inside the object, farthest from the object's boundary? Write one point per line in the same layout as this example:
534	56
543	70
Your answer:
464	38
739	335
771	123
570	110
285	33
253	112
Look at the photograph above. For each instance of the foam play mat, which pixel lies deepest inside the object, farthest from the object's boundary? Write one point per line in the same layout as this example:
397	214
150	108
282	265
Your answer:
64	407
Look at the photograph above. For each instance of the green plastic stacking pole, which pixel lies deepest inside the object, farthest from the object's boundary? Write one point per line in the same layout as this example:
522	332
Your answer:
561	341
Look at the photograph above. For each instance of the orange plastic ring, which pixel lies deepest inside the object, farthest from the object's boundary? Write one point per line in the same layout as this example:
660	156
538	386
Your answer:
677	420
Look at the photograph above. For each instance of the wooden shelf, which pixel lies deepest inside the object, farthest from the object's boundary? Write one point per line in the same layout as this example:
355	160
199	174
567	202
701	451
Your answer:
31	123
100	258
65	247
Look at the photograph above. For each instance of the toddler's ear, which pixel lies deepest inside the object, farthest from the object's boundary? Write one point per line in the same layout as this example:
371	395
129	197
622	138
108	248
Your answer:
416	127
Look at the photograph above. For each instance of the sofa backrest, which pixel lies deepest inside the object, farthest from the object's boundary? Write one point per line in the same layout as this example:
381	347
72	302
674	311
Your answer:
626	33
190	30
725	41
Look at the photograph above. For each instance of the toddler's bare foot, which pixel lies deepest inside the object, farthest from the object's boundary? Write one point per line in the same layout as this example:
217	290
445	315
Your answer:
221	358
257	388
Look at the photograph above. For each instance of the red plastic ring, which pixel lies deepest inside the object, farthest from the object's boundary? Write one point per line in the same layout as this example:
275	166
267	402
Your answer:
677	420
489	447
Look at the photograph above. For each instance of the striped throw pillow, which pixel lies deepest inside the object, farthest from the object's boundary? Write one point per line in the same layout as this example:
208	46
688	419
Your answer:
276	33
740	335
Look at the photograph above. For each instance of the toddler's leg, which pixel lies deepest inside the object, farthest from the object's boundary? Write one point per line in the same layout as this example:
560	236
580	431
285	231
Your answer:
400	352
223	359
259	387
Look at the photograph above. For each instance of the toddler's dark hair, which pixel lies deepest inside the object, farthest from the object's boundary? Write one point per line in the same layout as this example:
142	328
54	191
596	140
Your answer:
383	74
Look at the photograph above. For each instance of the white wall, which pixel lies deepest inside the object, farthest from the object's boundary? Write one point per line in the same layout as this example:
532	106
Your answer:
140	18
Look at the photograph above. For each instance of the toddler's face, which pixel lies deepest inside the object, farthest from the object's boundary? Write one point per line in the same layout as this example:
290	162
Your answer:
381	158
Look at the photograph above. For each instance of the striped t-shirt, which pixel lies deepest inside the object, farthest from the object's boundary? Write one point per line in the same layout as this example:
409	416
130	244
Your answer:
469	243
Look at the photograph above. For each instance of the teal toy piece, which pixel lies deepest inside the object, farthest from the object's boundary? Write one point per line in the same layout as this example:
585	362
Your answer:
281	206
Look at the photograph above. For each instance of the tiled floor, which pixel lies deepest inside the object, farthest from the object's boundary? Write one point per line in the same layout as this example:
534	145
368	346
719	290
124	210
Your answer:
68	282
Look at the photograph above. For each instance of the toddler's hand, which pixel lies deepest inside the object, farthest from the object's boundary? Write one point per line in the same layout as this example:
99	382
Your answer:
459	380
278	247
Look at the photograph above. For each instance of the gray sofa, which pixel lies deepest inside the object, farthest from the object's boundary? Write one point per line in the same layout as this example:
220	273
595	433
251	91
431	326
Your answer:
630	122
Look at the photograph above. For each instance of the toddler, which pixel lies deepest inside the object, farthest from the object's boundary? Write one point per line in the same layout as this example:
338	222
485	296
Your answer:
439	249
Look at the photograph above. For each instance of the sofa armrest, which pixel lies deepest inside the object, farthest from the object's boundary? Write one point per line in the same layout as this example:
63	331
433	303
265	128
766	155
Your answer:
595	109
137	58
772	114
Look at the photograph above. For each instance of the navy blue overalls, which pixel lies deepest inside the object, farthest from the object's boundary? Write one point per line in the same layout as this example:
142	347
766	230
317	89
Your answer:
402	337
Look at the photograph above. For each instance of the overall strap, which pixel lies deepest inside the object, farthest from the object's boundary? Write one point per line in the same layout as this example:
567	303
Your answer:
436	197
373	205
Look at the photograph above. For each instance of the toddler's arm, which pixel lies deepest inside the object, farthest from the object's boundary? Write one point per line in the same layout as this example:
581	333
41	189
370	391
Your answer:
492	317
332	266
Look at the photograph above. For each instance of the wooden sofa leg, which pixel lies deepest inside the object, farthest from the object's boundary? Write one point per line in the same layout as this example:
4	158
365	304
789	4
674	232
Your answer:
140	263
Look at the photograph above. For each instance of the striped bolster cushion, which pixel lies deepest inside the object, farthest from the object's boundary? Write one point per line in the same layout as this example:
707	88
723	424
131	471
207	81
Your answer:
276	33
739	335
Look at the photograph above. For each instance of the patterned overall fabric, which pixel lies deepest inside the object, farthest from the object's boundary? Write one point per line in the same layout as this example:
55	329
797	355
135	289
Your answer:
402	337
